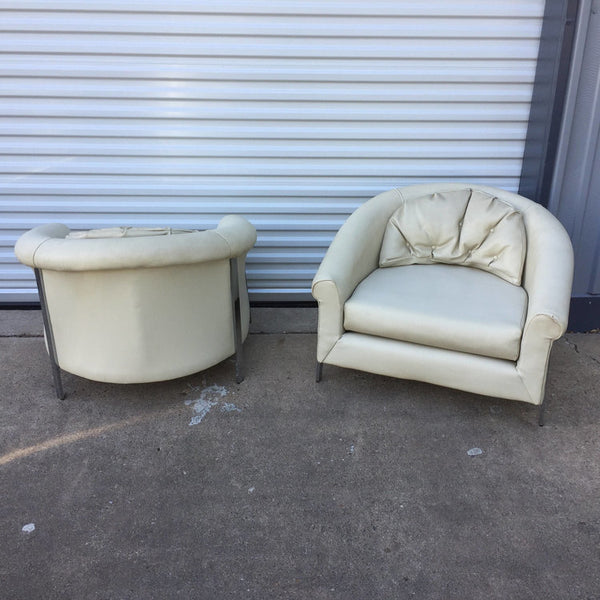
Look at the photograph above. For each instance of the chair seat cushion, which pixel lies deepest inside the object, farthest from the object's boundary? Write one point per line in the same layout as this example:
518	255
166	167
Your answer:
443	306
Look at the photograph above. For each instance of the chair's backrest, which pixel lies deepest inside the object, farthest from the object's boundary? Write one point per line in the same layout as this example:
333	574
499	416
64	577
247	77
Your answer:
140	305
466	226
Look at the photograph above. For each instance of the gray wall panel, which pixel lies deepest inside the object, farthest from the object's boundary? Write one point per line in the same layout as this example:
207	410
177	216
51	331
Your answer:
576	187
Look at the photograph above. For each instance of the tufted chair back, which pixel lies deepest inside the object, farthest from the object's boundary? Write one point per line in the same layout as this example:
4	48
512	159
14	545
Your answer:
465	227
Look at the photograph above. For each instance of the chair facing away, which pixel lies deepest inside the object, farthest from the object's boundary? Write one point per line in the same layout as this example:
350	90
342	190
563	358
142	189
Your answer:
459	285
133	305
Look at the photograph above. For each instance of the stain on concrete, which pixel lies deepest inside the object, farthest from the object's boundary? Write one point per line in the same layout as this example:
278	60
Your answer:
209	397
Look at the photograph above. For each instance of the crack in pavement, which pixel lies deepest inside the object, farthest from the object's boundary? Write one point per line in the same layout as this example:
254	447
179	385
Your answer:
576	348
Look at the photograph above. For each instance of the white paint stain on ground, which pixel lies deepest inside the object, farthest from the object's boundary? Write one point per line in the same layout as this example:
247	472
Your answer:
201	408
474	451
28	528
209	397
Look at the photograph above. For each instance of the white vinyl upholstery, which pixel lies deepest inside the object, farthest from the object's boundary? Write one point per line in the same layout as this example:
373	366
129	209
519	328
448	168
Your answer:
443	306
121	232
447	320
464	227
143	307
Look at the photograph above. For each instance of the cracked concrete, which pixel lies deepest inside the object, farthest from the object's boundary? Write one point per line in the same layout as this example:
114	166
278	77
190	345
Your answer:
589	350
358	487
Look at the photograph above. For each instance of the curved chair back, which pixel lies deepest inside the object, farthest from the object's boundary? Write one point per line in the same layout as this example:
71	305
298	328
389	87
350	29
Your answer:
132	306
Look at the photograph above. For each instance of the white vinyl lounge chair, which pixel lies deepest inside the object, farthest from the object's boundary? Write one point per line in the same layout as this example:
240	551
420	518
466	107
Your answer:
459	285
132	305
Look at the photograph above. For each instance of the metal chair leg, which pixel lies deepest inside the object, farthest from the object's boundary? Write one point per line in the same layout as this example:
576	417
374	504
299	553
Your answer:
542	412
49	336
237	320
319	371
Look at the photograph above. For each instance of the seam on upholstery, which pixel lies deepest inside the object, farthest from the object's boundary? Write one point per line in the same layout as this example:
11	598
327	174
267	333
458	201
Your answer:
524	382
319	314
525	245
462	220
543	380
331	349
226	241
396	225
522	325
527	326
338	339
400	194
327	280
506	202
38	247
390	221
542	314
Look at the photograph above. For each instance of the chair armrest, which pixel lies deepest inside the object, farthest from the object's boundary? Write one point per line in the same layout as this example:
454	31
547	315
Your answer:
548	277
353	254
333	284
548	274
238	232
27	245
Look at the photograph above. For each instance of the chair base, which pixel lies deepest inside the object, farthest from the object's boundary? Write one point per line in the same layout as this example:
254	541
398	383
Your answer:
541	409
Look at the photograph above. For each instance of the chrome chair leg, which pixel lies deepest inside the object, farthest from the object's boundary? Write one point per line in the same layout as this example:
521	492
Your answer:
237	320
542	412
49	336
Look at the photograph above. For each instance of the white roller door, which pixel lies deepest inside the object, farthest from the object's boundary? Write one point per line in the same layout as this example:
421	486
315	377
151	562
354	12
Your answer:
145	112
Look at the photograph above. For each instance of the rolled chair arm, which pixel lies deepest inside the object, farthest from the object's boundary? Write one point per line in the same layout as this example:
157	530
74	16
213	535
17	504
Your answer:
30	242
548	274
547	279
46	247
239	234
353	254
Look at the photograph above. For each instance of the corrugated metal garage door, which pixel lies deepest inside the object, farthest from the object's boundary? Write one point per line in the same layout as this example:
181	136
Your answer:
291	113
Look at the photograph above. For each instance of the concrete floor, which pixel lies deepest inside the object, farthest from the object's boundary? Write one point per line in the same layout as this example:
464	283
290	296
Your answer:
358	487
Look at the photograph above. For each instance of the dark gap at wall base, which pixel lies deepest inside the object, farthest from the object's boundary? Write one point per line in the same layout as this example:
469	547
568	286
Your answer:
254	304
283	304
584	315
20	306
